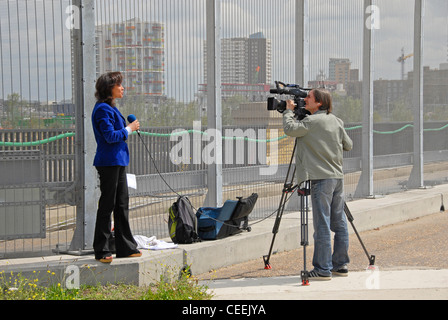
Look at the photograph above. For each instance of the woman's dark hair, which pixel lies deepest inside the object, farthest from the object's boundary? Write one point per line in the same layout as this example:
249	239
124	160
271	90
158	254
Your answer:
105	84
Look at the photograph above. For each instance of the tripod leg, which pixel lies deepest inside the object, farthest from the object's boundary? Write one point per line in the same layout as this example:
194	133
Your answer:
280	210
350	218
304	210
287	188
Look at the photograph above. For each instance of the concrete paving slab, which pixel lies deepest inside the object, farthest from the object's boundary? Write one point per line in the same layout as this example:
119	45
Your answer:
368	285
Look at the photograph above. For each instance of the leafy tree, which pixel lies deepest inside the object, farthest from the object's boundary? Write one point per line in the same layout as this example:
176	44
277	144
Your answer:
400	111
347	108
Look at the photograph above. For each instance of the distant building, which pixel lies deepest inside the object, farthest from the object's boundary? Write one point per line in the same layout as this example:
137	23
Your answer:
245	69
137	49
244	60
435	86
339	71
252	92
64	108
386	92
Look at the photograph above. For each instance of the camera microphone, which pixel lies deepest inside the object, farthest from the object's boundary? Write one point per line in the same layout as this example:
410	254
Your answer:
132	118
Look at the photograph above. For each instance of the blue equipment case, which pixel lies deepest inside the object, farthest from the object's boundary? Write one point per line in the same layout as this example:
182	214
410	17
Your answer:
232	218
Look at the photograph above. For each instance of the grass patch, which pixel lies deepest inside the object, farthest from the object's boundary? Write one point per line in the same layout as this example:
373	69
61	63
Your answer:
186	287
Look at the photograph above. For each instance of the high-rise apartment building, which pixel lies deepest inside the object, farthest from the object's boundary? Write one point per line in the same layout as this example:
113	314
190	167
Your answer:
137	49
259	63
339	71
244	60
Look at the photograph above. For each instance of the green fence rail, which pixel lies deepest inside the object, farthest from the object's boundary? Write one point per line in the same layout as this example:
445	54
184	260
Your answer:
69	135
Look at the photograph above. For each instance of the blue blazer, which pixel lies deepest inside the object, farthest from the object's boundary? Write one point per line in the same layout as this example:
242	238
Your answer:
109	127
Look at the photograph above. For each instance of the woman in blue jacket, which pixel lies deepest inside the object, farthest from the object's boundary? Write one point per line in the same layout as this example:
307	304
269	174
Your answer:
111	160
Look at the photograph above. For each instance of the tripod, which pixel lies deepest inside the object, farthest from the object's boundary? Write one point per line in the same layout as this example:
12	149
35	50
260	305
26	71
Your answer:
289	188
304	210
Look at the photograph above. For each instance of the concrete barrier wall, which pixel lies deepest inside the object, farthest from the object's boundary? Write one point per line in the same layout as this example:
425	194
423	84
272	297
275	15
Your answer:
205	256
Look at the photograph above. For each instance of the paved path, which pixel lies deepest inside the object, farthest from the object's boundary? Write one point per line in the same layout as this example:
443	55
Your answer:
411	262
367	285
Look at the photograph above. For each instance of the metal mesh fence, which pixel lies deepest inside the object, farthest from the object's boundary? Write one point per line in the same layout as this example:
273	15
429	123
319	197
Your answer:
161	48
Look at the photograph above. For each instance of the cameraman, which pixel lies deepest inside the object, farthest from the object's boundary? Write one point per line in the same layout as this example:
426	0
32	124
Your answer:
320	144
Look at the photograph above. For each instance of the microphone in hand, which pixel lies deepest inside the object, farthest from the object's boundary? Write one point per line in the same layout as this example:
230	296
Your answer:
131	119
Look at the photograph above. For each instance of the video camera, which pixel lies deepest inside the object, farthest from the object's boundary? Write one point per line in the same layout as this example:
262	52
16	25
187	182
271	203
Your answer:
294	90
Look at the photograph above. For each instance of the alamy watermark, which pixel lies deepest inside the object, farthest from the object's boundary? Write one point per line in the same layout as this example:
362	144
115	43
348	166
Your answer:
187	152
373	21
74	15
72	281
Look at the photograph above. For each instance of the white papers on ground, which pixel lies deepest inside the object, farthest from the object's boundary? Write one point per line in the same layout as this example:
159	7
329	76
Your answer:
151	243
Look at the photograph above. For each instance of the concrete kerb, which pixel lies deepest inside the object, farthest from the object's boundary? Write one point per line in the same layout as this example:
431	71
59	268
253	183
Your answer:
205	256
71	271
374	213
209	255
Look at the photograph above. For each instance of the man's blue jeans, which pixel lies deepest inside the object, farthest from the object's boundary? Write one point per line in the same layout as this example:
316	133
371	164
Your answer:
327	198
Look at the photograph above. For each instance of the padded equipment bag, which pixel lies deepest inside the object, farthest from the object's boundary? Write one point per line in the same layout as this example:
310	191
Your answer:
182	222
245	206
230	219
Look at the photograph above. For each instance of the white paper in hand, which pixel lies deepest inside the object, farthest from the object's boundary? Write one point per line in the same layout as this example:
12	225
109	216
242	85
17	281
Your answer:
132	181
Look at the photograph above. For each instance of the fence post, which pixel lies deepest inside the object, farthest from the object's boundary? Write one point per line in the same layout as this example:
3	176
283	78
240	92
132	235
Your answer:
416	177
214	111
302	55
84	76
365	184
302	42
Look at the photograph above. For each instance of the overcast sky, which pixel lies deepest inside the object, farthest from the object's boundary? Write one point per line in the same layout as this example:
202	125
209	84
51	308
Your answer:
43	72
